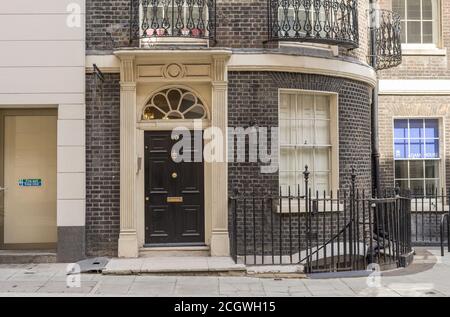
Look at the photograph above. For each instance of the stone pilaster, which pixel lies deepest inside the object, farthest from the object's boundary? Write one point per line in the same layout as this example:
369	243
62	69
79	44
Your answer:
220	242
128	242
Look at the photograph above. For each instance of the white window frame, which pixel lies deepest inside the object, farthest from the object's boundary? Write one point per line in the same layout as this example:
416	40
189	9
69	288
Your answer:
334	135
434	48
441	159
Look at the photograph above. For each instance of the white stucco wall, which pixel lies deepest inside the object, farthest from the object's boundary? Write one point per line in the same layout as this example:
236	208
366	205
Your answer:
42	64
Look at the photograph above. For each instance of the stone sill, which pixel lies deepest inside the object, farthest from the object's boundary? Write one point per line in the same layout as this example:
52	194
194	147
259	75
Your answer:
419	50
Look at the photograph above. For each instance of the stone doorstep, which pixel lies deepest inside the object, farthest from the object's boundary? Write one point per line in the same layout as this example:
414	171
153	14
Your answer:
27	257
198	266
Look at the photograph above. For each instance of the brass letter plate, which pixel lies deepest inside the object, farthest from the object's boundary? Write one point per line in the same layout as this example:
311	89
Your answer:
174	199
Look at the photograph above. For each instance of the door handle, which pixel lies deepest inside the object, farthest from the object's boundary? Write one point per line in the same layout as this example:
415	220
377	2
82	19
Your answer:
2	189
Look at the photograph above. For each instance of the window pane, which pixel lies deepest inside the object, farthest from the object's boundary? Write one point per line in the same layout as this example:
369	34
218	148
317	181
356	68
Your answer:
432	149
305	157
322	160
286	180
403	31
417	188
401	149
416	148
323	132
431	128
305	107
399	7
400	129
431	169
322	183
402	184
322	107
416	129
431	187
401	169
427	30
285	131
413	9
305	132
416	169
287	159
413	32
427	10
285	108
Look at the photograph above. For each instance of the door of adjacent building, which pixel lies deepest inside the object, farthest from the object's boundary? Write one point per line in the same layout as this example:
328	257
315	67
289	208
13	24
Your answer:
174	194
28	179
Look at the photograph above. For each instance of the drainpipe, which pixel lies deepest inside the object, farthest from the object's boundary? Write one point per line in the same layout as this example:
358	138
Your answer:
375	135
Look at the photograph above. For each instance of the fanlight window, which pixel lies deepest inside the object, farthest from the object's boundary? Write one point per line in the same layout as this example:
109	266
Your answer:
174	103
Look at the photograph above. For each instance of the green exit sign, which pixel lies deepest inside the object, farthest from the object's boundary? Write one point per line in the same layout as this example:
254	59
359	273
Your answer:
30	182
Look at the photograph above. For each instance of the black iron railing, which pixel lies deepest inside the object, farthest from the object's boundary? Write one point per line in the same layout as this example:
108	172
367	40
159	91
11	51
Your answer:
445	219
319	21
388	48
334	231
182	19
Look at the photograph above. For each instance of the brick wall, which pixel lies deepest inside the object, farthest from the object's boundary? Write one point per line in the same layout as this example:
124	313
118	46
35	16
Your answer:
240	24
253	97
423	66
102	167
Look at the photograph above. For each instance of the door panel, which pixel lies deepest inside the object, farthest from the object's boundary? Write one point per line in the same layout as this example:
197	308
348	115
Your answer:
30	179
174	194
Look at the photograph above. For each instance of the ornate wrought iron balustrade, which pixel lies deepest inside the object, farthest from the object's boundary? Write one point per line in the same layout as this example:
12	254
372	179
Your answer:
319	21
388	38
173	19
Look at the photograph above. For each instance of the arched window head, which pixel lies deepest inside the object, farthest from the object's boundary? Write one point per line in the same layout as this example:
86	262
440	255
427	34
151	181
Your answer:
173	104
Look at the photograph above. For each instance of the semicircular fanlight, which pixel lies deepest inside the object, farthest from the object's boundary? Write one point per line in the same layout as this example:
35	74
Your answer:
174	104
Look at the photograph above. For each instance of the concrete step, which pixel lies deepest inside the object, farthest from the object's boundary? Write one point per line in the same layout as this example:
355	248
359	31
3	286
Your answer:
27	256
200	251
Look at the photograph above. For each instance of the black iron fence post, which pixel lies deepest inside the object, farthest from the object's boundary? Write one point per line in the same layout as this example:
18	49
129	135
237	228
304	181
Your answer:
308	220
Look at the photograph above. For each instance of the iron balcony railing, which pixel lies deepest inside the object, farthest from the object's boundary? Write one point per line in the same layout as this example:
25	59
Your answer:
387	29
320	21
182	19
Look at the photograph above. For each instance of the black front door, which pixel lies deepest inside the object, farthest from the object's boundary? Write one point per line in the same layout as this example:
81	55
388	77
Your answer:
174	194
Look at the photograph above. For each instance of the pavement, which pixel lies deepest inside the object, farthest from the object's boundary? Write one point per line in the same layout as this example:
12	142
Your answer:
429	275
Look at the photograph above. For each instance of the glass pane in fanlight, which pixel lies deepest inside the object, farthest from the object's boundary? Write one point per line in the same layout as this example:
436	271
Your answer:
151	113
432	169
161	102
414	34
197	112
399	7
401	129
322	107
306	104
401	169
322	160
416	149
427	9
323	132
305	132
174	97
427	32
432	149
188	101
432	128
175	115
413	9
401	149
417	187
416	169
431	187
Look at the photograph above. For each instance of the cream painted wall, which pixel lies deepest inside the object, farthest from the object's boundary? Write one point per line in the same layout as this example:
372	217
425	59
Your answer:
30	153
42	65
